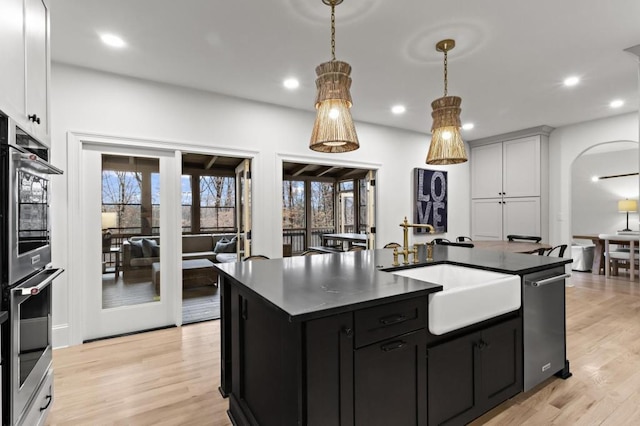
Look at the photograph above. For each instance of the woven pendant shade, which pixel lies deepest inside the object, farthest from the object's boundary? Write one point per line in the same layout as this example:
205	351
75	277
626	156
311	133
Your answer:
446	145
333	130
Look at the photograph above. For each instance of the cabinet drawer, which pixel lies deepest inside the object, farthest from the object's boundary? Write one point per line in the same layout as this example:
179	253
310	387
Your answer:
382	322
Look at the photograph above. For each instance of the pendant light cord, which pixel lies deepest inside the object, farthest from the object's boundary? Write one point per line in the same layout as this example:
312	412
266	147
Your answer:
333	30
445	73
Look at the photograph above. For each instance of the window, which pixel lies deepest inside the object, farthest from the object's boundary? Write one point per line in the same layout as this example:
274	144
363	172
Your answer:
293	204
121	193
322	206
187	202
363	200
347	207
217	204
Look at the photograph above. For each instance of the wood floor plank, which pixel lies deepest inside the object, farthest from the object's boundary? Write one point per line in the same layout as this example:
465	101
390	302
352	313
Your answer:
171	377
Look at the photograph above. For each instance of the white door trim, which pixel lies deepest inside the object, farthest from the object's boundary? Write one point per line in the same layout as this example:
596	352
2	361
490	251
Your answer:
281	158
73	330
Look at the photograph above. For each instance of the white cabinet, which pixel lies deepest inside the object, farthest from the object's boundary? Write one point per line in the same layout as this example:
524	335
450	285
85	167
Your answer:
521	167
508	187
12	76
486	171
37	63
495	218
486	219
24	64
507	169
521	216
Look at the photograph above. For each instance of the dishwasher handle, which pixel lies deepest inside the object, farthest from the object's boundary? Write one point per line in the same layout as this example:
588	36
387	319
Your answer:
547	280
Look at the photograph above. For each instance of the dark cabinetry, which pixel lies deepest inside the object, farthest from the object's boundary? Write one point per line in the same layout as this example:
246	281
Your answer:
473	373
365	367
391	382
368	367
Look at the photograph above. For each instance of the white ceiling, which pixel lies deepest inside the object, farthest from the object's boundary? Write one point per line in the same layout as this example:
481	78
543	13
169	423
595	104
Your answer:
508	65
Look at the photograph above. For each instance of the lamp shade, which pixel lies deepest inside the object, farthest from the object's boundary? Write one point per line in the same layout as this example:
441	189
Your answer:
333	130
447	146
626	206
109	220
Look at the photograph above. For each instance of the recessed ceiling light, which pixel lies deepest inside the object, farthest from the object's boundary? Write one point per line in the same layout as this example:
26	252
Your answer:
595	178
617	103
291	83
398	109
467	126
571	81
112	40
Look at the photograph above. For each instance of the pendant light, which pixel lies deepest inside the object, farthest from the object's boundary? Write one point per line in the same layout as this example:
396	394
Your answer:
333	130
446	145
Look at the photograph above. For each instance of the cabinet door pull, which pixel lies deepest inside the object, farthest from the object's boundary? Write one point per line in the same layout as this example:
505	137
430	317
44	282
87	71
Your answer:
49	399
393	319
396	344
482	345
245	309
347	331
34	118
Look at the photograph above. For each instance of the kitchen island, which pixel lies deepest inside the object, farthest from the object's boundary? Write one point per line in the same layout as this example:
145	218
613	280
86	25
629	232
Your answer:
338	339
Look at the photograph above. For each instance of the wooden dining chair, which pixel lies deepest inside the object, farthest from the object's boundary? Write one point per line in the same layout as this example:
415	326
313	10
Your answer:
456	244
524	238
255	257
440	241
560	250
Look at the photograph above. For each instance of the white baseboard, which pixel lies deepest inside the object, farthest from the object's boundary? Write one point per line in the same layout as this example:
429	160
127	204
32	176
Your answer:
60	336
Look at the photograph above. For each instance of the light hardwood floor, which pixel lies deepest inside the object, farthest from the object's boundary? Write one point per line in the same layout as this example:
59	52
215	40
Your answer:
170	377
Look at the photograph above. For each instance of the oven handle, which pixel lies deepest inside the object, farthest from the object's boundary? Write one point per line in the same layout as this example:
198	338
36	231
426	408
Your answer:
33	161
29	290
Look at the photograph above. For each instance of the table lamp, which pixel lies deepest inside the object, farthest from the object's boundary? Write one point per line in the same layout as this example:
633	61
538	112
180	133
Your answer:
109	220
626	206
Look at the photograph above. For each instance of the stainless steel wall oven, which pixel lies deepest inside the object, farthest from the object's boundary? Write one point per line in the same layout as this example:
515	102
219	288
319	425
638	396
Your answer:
26	275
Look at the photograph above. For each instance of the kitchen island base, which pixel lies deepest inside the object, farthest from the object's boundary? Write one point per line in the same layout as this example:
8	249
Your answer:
299	348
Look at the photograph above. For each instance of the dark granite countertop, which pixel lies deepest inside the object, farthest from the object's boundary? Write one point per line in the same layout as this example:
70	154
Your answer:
306	287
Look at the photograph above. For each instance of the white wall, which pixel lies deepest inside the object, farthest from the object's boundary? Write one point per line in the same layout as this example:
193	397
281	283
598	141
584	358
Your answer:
93	102
565	145
595	204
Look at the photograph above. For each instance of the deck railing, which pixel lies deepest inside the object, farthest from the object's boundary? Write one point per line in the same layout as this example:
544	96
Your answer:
297	238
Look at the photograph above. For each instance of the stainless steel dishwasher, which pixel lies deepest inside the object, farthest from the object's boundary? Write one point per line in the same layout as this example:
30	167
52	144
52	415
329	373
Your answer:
544	326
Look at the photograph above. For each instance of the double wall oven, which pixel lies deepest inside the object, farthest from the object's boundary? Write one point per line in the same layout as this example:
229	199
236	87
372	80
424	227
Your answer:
26	275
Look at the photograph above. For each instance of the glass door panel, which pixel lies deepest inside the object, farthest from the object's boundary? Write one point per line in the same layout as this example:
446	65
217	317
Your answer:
370	207
243	210
130	215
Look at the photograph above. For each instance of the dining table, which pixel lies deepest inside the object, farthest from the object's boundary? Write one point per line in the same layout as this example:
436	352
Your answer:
332	240
510	246
599	250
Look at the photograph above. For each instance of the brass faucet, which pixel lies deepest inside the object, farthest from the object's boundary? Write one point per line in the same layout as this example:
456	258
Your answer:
406	252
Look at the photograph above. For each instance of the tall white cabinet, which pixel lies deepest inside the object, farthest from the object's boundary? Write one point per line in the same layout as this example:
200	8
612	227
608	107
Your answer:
25	64
509	185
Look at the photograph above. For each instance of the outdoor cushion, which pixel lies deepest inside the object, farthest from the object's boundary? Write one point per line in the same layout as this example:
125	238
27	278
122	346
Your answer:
136	248
150	248
226	246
